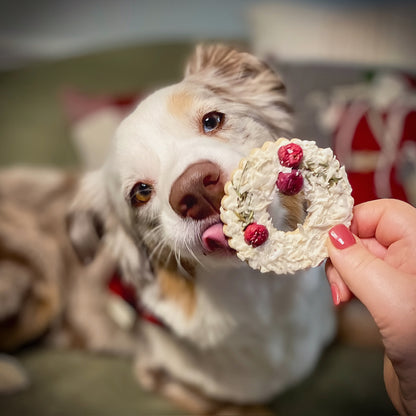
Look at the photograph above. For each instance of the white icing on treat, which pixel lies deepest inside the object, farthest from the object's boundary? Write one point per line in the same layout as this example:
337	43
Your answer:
250	191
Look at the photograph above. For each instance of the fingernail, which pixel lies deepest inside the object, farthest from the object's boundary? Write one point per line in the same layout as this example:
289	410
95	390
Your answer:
336	296
341	237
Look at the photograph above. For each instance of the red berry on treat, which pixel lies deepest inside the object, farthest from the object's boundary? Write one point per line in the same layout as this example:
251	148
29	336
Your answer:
255	234
290	183
290	155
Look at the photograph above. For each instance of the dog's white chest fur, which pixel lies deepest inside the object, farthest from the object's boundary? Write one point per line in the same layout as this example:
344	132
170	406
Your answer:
251	335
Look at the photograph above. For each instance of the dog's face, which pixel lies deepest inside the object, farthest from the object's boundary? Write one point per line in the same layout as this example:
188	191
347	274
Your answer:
165	174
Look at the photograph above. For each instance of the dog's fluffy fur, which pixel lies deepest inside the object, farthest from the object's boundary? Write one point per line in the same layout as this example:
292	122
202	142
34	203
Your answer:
233	334
43	288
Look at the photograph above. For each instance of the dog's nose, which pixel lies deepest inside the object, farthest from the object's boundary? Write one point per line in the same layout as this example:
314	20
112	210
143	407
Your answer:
197	193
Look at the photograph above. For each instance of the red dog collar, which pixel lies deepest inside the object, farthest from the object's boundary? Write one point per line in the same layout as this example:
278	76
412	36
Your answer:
128	293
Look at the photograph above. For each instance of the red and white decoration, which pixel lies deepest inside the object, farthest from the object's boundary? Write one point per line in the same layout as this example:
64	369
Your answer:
373	128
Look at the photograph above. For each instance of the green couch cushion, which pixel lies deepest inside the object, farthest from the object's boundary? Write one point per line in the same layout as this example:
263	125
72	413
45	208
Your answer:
33	126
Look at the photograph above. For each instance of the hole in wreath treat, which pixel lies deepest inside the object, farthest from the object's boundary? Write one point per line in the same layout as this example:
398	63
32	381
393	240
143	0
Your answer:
294	170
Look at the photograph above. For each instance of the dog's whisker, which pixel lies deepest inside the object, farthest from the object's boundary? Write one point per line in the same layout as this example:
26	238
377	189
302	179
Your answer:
162	252
177	254
152	233
165	248
154	239
178	259
156	251
171	253
191	252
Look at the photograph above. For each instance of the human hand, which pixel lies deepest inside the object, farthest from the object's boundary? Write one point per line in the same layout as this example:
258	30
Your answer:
377	263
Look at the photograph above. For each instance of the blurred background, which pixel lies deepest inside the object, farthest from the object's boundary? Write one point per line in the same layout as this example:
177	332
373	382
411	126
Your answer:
71	70
55	55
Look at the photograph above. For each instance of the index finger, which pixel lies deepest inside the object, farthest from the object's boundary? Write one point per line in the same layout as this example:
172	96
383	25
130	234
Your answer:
386	220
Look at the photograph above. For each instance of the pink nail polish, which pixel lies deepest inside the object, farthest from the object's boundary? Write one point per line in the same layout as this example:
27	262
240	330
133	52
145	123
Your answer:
336	296
341	237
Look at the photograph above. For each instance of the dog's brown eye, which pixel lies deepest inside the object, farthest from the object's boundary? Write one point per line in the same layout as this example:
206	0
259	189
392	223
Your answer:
212	121
140	194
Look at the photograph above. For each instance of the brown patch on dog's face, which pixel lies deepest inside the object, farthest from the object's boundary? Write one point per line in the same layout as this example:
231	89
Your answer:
180	104
295	210
177	287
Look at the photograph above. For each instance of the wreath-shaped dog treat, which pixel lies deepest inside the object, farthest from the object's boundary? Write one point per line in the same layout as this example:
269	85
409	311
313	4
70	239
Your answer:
289	167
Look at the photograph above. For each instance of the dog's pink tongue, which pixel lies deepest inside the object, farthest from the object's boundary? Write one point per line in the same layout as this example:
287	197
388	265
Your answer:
214	239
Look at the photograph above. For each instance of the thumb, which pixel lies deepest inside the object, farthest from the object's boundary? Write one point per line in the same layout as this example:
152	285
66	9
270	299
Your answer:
367	276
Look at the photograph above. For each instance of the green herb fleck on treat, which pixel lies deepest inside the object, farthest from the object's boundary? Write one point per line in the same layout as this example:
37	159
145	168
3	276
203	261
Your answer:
237	190
244	215
334	181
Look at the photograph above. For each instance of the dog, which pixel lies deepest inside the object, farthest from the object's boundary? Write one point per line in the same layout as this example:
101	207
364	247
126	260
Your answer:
225	334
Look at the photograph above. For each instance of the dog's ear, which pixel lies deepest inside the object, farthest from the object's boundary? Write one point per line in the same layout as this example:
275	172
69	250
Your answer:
223	61
242	78
86	218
